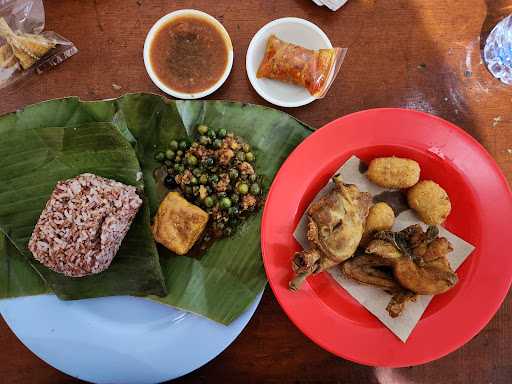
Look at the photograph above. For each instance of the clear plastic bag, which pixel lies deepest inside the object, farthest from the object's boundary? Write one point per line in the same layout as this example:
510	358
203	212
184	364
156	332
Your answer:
313	70
25	49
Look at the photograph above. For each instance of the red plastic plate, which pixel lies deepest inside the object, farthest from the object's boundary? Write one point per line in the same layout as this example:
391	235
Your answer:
481	214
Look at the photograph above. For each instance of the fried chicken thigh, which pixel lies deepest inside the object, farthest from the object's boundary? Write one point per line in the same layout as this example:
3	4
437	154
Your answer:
335	227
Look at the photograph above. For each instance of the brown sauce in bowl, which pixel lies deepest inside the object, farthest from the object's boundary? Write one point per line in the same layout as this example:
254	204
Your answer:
189	54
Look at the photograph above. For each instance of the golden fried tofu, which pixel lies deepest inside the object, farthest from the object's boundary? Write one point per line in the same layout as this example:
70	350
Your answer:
178	223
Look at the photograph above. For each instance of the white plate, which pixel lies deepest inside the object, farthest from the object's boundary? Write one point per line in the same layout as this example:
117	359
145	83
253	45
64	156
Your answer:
151	35
293	30
118	339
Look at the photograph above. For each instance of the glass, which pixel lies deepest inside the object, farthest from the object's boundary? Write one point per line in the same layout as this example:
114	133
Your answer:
498	51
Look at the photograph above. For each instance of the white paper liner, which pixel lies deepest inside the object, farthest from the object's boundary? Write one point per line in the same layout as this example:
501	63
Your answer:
373	298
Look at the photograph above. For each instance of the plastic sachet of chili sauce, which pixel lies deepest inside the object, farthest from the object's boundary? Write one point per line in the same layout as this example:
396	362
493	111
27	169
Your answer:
313	70
25	49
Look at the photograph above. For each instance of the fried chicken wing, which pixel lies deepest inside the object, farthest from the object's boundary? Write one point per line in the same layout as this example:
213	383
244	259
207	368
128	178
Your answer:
419	259
370	269
377	271
435	276
335	227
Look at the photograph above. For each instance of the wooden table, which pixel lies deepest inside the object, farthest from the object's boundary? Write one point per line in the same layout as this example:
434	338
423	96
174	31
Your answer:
415	54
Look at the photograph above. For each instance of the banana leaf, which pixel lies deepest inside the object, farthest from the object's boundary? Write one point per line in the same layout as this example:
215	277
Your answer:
17	277
33	160
222	283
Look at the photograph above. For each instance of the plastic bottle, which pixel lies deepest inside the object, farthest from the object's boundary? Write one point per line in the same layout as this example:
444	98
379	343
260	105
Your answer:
498	51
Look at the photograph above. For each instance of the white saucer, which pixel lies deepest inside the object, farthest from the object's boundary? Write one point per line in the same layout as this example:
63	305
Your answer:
293	30
151	35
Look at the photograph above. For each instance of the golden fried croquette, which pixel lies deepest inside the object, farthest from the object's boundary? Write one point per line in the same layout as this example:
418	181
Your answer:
178	223
380	218
393	172
430	201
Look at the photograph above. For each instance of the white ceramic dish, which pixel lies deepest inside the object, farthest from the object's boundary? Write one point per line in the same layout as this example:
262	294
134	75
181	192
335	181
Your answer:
293	30
151	35
118	339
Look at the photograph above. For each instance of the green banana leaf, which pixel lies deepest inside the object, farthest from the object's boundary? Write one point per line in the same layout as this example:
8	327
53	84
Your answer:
17	277
33	160
223	282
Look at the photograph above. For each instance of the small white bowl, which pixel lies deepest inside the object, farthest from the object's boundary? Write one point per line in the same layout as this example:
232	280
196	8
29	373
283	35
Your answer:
151	35
293	30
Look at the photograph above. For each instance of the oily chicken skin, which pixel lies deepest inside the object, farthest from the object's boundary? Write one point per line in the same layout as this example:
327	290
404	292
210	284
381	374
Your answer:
368	269
335	227
336	221
425	270
435	276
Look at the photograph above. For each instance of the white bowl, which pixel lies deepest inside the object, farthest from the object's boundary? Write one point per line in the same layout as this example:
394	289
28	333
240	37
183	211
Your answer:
293	30
151	35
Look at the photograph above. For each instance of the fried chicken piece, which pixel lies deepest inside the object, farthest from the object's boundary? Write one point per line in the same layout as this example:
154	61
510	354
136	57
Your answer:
335	227
397	303
384	249
304	264
377	271
435	276
419	259
336	221
368	269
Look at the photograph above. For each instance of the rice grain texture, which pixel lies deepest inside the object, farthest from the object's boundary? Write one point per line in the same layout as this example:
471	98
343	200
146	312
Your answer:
83	224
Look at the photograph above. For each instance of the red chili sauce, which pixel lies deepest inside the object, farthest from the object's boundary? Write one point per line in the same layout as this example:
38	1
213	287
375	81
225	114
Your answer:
189	54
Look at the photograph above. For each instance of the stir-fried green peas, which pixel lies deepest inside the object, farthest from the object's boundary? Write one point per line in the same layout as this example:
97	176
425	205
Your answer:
225	202
215	172
255	189
170	154
243	188
160	156
173	145
202	129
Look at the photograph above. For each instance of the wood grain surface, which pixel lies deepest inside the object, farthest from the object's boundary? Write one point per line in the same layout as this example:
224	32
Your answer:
415	54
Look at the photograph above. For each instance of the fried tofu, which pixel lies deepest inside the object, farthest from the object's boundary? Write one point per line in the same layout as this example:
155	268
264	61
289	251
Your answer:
178	224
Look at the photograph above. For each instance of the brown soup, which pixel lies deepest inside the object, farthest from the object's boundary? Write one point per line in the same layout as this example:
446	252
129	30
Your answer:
189	54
